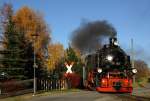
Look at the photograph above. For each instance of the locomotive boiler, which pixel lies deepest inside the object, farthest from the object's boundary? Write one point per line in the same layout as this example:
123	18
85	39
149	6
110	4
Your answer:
109	69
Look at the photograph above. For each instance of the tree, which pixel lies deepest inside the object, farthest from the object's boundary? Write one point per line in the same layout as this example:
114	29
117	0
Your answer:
55	60
72	57
13	62
32	25
56	53
24	32
142	68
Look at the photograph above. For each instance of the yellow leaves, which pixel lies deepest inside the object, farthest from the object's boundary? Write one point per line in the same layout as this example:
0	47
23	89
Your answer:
32	24
142	69
56	52
25	18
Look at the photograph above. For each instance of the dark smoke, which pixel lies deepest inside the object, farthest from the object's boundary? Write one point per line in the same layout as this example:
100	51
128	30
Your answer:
90	36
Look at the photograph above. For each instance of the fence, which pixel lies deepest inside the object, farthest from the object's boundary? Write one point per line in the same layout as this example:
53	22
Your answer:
13	87
47	85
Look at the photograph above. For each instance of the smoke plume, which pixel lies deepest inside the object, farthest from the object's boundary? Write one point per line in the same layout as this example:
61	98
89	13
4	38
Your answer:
90	35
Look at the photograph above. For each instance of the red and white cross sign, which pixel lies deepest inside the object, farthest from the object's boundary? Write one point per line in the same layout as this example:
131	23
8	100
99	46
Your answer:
69	66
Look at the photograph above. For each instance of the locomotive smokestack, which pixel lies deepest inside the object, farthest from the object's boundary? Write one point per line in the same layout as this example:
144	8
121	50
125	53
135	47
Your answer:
91	35
113	41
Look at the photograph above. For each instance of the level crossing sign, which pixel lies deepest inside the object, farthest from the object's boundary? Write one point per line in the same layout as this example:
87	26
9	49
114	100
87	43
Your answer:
69	66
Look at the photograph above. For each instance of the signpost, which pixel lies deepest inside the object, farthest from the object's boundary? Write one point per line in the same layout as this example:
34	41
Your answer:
69	71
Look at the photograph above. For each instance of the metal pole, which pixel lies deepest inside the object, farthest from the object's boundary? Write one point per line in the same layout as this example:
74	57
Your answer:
98	60
83	74
83	69
34	66
132	54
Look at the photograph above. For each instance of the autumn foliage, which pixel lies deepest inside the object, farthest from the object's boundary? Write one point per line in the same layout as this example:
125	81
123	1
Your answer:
142	68
55	54
23	32
33	26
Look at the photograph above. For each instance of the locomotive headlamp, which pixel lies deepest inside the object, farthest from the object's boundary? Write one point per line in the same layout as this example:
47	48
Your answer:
134	70
116	43
109	58
99	70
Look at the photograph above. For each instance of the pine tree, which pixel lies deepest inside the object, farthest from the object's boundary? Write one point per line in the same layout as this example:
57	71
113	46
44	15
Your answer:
13	61
72	57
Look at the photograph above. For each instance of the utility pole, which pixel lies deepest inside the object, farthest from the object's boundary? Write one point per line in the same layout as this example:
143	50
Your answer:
132	55
98	60
98	66
83	74
34	65
83	68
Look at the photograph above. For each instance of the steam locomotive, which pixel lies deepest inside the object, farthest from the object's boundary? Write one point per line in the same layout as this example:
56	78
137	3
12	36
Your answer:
109	69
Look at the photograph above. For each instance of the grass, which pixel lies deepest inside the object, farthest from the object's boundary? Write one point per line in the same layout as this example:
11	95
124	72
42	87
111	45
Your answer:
30	96
141	83
25	97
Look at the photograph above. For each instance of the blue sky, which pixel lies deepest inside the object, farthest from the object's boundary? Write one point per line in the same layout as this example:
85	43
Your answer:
131	18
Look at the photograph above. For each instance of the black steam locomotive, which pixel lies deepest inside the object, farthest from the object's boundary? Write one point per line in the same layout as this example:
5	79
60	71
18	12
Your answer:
109	69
